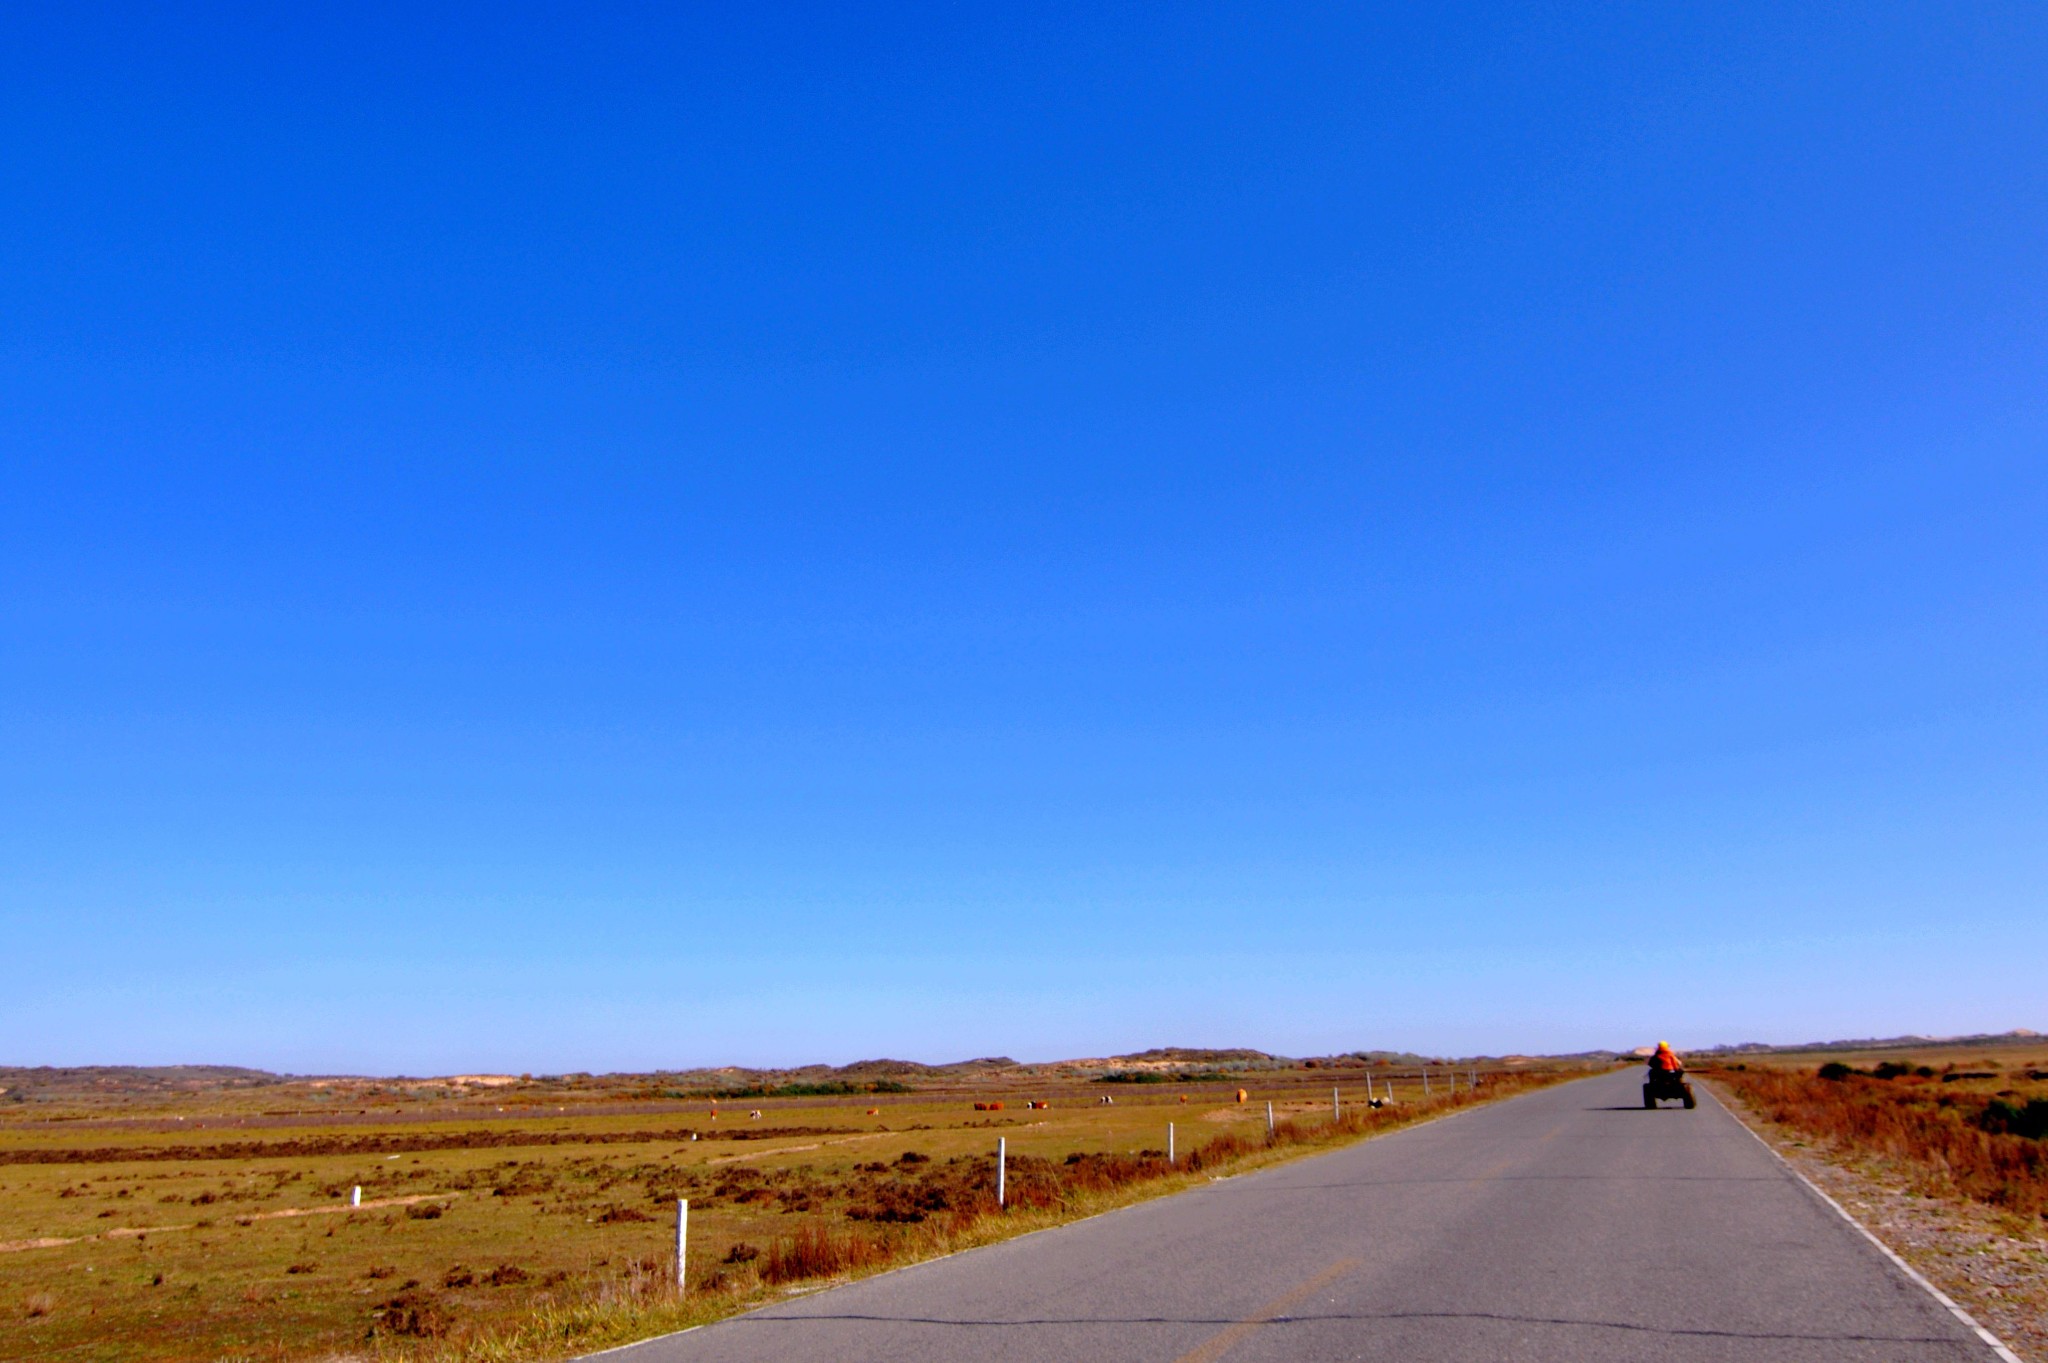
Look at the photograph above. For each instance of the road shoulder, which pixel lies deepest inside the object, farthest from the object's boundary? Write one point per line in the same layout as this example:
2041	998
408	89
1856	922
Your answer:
1988	1263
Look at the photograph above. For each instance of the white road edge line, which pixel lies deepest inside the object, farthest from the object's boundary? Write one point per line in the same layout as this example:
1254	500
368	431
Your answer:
1998	1346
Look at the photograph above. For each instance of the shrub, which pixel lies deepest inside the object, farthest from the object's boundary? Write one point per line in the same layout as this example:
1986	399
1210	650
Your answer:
1945	1139
417	1314
1836	1071
817	1251
1219	1151
1103	1171
2002	1118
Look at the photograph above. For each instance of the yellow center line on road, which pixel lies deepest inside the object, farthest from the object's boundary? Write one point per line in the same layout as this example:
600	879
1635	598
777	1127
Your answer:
1225	1340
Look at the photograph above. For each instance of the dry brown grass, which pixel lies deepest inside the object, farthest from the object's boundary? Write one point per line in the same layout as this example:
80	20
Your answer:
1956	1142
960	1194
536	1237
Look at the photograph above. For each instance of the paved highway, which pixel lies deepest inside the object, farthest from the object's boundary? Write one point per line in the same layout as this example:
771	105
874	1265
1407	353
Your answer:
1565	1225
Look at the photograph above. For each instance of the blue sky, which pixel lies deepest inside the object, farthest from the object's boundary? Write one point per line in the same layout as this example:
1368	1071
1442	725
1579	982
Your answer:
613	537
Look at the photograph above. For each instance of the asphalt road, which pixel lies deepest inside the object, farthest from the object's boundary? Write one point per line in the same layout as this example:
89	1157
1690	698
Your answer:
1566	1225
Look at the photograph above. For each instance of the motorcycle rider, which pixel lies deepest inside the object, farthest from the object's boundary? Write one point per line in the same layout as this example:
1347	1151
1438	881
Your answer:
1665	1060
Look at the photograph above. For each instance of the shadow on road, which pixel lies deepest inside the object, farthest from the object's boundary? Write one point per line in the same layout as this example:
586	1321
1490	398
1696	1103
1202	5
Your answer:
1659	1179
1485	1317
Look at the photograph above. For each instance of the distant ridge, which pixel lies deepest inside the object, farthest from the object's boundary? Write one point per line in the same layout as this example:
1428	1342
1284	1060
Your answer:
90	1079
23	1083
2016	1036
20	1083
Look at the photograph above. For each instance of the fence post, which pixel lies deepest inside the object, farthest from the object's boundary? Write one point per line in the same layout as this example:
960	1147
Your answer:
1368	1086
1425	1081
1002	1167
682	1240
1169	1142
1269	1121
1336	1107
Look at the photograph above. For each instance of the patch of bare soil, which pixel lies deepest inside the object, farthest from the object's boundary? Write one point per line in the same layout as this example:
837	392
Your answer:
1993	1264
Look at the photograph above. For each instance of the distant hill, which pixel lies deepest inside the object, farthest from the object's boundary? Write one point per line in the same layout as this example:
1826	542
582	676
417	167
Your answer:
2017	1036
1185	1055
83	1083
52	1081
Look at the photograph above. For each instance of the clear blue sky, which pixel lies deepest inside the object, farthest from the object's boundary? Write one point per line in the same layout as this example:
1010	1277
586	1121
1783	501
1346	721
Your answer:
608	537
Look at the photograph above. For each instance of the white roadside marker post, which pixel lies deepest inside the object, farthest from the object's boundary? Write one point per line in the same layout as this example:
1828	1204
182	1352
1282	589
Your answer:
1336	1107
682	1240
1269	1121
1002	1168
1169	1142
1368	1086
355	1199
1425	1081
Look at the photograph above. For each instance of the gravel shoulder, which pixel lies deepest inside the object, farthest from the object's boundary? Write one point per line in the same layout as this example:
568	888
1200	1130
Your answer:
1995	1266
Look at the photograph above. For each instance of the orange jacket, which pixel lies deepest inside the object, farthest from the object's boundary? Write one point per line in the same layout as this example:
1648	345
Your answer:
1666	1059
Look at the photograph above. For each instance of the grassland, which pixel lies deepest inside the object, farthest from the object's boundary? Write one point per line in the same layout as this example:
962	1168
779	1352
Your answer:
212	1218
1940	1148
1971	1125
